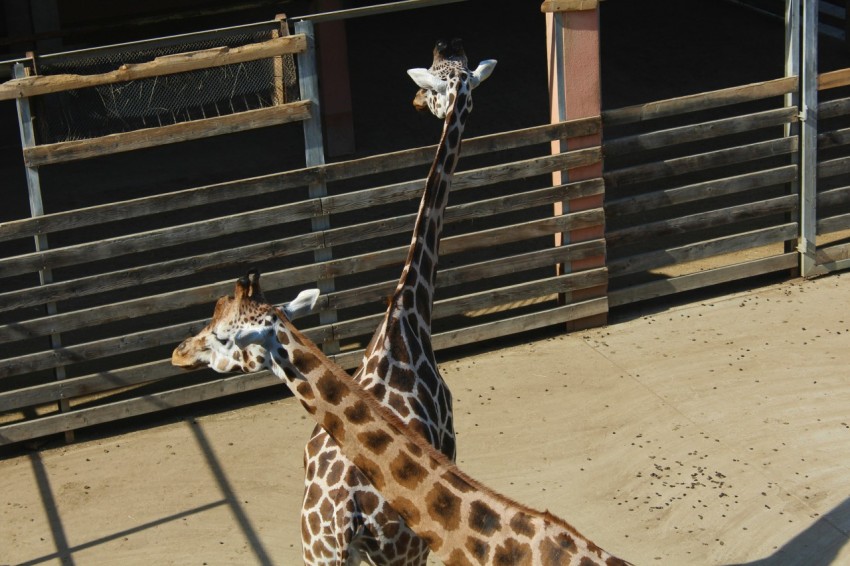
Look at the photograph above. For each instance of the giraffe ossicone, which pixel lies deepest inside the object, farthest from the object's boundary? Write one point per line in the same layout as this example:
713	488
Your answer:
462	521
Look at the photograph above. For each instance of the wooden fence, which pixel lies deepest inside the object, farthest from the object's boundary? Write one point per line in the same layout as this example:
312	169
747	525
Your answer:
833	172
699	190
130	297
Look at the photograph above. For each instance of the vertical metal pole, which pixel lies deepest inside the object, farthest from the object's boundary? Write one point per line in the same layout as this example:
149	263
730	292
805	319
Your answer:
792	99
308	81
807	241
37	209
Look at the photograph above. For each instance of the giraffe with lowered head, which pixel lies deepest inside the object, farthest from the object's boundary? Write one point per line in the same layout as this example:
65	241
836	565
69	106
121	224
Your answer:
462	521
398	366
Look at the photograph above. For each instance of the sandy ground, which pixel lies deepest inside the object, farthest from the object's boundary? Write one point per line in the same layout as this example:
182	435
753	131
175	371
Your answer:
710	433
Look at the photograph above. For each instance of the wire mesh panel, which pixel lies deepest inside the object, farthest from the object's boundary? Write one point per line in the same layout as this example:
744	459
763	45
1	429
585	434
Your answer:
159	101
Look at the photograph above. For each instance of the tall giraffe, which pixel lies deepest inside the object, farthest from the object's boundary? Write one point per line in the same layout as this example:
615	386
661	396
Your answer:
398	366
462	521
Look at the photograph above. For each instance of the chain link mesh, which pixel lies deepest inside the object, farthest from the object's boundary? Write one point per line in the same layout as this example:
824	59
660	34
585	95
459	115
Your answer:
159	101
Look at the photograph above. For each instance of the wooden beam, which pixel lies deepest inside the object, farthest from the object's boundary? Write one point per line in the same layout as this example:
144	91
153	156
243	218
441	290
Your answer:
151	137
165	65
834	79
568	5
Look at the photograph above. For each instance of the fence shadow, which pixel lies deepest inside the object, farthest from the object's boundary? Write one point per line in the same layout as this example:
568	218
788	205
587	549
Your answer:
65	551
818	545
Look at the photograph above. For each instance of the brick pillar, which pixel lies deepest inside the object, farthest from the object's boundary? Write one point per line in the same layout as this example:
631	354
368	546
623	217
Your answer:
572	38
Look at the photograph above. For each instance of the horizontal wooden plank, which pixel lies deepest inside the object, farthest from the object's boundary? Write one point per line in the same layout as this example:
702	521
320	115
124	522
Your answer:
63	322
833	167
568	5
833	108
701	280
831	258
161	66
832	197
656	139
245	188
86	385
186	233
834	138
701	250
833	224
634	204
500	328
81	418
703	220
75	150
209	293
701	101
834	79
698	162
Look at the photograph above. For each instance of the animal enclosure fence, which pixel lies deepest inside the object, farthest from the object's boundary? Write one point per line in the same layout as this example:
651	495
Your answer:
699	190
832	202
88	323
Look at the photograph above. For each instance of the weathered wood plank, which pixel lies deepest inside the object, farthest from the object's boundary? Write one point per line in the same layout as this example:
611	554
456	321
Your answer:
21	330
697	162
703	220
701	101
701	131
76	150
834	138
497	329
833	167
568	5
834	79
136	406
698	191
833	224
833	108
832	258
244	188
832	197
701	250
702	279
161	66
81	418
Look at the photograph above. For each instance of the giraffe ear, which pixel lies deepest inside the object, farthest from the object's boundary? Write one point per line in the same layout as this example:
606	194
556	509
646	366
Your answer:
484	69
302	305
424	79
245	338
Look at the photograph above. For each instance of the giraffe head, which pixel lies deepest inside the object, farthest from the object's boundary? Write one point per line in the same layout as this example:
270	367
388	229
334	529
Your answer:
448	75
239	336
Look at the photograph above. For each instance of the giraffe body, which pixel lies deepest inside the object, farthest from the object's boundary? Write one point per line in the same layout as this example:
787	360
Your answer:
462	521
398	367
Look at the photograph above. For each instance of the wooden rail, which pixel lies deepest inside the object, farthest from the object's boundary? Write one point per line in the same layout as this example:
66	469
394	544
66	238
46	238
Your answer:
161	66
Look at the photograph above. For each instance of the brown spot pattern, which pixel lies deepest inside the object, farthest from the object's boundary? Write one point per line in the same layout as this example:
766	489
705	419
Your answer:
375	440
513	553
406	471
305	361
554	552
443	506
305	390
331	389
522	525
457	482
478	549
358	413
408	511
458	558
333	424
483	518
371	471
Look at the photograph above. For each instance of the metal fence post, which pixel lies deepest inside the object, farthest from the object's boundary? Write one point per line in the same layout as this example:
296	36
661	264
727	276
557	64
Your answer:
37	209
308	81
807	241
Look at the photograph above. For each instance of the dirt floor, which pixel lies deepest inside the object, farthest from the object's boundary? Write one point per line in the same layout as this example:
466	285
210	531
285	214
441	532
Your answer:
714	432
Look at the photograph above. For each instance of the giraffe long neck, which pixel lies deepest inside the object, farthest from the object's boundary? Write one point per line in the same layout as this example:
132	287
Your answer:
419	274
462	521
